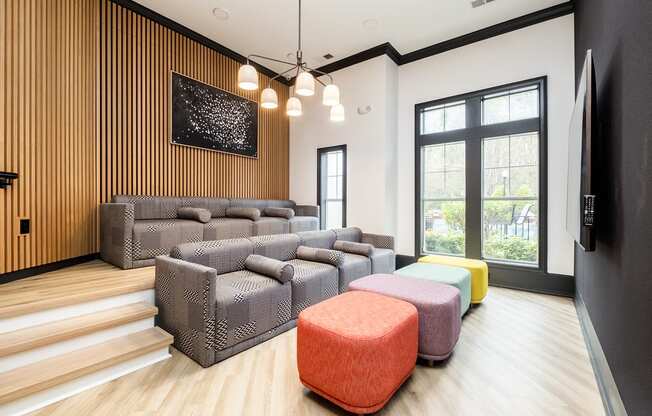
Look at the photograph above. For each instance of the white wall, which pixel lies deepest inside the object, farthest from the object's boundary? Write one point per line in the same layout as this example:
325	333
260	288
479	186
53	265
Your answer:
370	140
378	202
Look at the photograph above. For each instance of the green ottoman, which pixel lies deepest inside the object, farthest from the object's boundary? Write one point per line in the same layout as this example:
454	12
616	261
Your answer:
454	276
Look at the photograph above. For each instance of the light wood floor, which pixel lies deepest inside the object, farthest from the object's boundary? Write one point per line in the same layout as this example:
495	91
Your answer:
519	354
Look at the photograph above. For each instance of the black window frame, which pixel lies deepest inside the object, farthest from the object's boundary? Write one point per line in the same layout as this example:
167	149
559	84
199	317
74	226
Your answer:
472	135
320	151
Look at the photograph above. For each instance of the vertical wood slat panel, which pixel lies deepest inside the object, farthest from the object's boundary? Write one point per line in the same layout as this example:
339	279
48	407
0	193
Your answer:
139	110
85	115
47	130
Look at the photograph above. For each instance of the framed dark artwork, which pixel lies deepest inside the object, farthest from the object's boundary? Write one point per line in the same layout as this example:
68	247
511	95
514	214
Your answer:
209	118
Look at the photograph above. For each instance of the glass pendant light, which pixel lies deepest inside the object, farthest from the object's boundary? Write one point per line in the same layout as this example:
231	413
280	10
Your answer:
331	95
305	84
293	107
268	98
248	77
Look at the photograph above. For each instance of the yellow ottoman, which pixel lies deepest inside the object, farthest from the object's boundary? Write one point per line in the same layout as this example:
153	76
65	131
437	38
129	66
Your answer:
478	268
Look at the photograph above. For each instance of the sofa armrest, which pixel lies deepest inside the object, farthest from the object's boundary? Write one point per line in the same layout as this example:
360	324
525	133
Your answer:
185	297
378	240
307	210
116	230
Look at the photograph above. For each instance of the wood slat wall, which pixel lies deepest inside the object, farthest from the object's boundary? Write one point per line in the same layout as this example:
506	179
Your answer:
84	115
135	154
47	130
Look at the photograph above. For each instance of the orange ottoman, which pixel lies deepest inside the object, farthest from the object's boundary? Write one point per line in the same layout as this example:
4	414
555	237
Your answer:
356	349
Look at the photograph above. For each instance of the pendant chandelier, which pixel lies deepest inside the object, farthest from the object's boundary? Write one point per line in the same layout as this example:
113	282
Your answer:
304	84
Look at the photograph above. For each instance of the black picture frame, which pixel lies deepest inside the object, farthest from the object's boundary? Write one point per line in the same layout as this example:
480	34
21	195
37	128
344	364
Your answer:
206	117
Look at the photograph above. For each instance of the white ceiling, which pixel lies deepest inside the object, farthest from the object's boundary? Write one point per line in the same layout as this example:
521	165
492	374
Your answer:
269	28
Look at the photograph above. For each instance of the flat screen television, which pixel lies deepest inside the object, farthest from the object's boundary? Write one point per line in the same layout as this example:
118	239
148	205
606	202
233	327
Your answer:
580	196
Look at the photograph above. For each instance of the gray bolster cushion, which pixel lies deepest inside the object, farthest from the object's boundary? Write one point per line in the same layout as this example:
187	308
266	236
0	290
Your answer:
320	255
286	213
362	249
197	214
279	270
238	212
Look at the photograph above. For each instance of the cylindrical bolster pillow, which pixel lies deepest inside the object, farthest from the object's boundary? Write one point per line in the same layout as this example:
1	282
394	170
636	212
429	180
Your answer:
279	270
286	213
237	212
362	249
321	255
197	214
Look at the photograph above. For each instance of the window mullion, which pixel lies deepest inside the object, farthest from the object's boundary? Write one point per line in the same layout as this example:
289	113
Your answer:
473	240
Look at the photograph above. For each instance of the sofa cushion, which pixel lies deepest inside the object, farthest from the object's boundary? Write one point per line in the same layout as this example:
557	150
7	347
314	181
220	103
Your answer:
197	214
281	247
280	203
317	239
353	267
320	255
271	225
353	234
224	228
261	204
238	212
222	255
217	206
286	213
269	267
248	304
312	283
151	207
362	249
298	224
153	238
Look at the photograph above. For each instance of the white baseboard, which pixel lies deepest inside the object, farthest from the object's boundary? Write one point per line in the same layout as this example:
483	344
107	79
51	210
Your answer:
38	354
66	312
62	391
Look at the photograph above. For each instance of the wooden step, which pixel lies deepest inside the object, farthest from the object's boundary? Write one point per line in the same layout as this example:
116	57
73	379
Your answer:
33	378
41	335
78	284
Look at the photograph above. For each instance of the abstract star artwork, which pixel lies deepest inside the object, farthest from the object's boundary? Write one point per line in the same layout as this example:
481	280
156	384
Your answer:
210	118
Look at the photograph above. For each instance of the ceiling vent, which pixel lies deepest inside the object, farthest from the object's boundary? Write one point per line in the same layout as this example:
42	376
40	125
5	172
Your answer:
478	3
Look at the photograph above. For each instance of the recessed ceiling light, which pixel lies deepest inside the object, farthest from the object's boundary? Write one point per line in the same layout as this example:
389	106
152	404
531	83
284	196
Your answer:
221	13
370	24
478	3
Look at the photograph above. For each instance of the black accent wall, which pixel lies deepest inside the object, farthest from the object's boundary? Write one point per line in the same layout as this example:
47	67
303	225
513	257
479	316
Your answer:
615	281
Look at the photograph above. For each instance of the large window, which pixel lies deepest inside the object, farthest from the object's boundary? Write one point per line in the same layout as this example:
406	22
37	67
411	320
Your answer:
331	186
481	173
443	202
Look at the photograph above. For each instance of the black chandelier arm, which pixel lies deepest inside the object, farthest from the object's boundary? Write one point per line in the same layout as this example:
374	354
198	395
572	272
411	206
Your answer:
269	83
270	59
319	74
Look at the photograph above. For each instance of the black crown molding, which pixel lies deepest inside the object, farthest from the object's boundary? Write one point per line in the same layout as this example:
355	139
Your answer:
183	30
477	36
386	48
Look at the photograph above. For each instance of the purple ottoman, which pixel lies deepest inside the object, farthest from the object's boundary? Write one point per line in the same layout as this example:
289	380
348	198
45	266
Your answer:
438	306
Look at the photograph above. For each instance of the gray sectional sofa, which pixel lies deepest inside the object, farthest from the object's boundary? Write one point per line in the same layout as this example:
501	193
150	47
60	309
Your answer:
216	305
135	229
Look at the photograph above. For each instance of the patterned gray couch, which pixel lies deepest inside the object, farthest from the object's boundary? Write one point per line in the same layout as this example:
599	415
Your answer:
215	307
135	229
